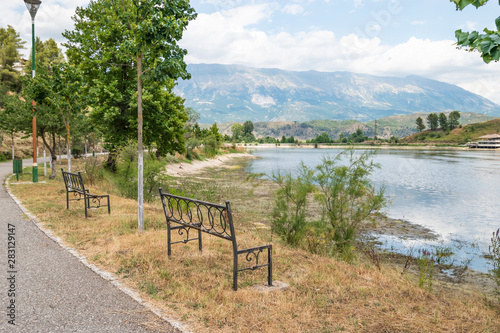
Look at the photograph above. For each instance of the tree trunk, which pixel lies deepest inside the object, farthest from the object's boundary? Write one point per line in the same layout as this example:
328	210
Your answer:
13	152
68	149
53	157
60	162
52	150
140	185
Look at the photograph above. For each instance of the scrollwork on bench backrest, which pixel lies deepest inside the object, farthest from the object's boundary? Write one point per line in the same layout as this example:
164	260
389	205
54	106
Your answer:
205	216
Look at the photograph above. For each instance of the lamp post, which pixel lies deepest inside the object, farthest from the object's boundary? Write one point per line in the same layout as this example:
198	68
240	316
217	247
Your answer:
33	6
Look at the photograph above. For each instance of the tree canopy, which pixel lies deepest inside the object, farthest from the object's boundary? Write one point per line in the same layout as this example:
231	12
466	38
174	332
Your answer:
10	46
487	43
420	124
109	40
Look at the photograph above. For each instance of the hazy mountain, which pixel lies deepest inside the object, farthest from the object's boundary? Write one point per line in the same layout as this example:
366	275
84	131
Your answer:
225	93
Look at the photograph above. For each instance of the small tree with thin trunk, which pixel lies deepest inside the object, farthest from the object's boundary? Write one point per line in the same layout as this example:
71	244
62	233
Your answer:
443	121
420	124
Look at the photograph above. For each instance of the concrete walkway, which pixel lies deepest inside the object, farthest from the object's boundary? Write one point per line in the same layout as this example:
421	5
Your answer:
47	289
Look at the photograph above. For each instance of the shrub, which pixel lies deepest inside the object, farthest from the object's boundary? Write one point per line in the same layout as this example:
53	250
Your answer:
425	263
191	145
126	170
347	195
94	170
211	146
289	213
494	250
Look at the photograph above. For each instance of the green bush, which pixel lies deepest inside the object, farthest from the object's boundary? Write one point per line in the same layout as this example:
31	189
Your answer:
126	171
211	146
94	170
347	195
494	250
289	213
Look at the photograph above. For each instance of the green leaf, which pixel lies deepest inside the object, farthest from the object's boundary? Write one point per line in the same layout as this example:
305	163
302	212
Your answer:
497	22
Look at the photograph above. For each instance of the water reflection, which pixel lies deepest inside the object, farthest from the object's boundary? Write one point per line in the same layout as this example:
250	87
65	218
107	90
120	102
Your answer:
453	193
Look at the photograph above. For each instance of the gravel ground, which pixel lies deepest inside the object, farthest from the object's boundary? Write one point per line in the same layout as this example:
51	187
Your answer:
48	289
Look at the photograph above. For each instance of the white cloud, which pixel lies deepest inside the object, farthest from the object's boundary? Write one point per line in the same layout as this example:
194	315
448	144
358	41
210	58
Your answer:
418	22
358	4
50	21
293	9
220	38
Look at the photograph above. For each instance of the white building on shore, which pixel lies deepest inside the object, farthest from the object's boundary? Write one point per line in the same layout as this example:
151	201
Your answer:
491	141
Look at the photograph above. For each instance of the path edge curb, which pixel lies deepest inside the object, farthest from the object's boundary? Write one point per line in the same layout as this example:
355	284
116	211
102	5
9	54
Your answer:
108	276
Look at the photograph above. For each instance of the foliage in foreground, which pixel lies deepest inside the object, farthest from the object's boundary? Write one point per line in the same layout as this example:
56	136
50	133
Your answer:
495	259
346	197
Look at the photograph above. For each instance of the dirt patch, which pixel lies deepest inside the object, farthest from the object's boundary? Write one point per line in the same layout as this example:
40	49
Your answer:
185	169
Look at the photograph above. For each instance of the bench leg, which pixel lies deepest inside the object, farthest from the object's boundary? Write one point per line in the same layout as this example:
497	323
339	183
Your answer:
109	206
169	246
200	246
67	199
86	202
270	267
235	271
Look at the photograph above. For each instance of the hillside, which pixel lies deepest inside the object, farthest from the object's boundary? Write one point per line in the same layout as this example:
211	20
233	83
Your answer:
221	93
458	135
399	126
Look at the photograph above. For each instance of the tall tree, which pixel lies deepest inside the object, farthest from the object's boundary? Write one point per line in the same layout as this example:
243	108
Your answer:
443	121
65	96
10	46
420	124
453	119
47	54
59	102
12	117
487	43
131	38
433	121
237	130
247	127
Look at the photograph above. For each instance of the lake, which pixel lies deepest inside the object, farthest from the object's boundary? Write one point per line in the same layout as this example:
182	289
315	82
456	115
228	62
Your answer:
455	193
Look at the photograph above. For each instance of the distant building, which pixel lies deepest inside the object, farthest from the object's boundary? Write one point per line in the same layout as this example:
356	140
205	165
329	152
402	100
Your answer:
486	141
20	66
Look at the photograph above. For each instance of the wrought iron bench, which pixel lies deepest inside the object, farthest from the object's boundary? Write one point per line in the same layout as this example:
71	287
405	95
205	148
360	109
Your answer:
74	184
214	220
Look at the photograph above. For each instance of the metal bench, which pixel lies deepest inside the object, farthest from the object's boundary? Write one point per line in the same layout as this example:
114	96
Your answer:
74	184
214	220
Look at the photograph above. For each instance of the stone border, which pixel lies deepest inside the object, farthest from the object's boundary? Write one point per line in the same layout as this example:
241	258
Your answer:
110	277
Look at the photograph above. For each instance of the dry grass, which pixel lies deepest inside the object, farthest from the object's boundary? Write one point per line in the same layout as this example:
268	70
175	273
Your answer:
325	295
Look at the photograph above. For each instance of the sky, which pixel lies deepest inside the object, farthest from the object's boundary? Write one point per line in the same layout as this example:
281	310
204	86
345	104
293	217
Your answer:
379	37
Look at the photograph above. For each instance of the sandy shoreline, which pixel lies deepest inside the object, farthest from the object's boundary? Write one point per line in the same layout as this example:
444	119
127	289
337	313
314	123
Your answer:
185	169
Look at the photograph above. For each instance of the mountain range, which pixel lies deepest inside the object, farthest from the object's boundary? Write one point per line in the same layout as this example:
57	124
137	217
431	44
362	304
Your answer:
227	93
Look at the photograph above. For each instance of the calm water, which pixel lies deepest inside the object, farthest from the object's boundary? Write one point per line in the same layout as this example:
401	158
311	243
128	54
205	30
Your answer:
454	193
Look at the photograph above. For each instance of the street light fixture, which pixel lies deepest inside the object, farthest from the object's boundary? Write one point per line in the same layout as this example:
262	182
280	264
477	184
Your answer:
33	6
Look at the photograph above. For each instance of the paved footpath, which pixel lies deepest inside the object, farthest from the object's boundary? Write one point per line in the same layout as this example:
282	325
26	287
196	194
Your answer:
50	290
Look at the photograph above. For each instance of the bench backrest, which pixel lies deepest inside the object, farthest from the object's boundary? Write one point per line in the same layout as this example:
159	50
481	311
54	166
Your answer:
73	181
205	216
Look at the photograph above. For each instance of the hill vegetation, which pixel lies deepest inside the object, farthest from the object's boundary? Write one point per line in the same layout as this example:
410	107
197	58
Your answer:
459	135
393	126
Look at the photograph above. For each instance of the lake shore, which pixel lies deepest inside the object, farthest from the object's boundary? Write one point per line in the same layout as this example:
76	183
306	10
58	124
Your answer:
383	226
383	147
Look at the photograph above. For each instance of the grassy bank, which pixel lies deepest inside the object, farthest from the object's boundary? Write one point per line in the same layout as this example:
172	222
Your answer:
325	295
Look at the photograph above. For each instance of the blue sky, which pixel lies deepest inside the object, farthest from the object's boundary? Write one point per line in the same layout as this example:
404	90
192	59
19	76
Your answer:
380	37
